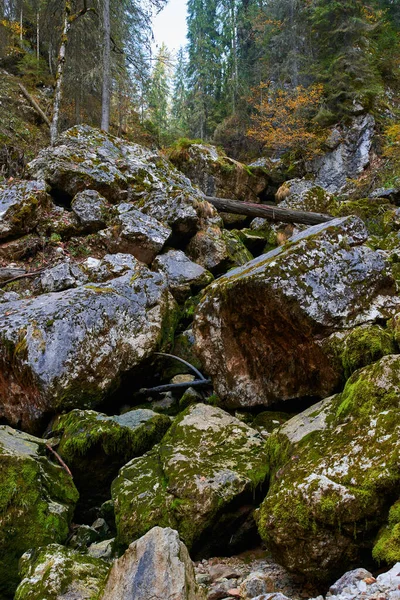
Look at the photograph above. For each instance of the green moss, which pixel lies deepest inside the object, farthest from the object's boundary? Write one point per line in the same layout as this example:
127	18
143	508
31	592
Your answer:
387	544
377	214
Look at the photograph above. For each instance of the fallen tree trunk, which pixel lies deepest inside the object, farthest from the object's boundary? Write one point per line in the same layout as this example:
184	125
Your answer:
272	213
34	104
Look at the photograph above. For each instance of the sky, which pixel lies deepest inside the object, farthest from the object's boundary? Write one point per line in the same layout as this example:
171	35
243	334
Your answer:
169	26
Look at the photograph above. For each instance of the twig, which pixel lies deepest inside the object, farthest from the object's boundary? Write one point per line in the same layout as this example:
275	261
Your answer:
184	362
172	386
60	460
32	274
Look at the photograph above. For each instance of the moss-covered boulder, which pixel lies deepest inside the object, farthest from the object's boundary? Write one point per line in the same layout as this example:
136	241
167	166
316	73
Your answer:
68	350
379	216
37	500
96	446
335	472
87	158
56	573
202	480
217	250
304	194
215	173
387	544
21	206
259	328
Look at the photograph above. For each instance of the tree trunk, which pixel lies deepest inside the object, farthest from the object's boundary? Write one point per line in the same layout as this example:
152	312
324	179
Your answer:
60	73
272	213
105	103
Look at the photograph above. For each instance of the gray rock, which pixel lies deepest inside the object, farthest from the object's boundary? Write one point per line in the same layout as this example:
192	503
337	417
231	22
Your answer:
58	573
272	596
349	158
8	296
304	194
274	311
91	208
184	276
217	250
68	349
110	266
139	234
103	550
256	584
207	462
37	502
57	278
156	566
21	205
349	579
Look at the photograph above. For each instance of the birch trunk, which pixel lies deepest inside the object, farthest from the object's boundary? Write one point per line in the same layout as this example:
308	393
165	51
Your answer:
60	74
105	103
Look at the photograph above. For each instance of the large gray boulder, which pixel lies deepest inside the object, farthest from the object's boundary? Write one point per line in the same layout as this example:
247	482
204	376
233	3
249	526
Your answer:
183	275
156	566
91	209
334	475
37	501
259	328
58	573
21	206
202	480
69	349
86	158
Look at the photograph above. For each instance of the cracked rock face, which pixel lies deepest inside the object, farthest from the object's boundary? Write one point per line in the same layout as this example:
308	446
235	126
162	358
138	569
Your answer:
202	478
334	474
21	206
259	328
68	349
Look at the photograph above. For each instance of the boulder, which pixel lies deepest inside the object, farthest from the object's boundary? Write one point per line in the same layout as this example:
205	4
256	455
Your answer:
217	250
91	208
380	217
69	349
335	475
87	158
58	573
387	544
96	446
156	566
259	328
37	501
21	206
136	233
304	194
216	174
202	479
184	276
57	278
349	155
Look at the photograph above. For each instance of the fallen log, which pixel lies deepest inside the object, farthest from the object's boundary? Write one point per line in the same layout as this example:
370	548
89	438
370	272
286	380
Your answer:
170	387
34	104
272	213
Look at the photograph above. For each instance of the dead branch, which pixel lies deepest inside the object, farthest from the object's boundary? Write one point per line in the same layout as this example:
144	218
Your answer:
34	104
60	460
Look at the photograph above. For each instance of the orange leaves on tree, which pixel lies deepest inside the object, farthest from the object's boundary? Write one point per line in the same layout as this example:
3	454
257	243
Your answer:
282	117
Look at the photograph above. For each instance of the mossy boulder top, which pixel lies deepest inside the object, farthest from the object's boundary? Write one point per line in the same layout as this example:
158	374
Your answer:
335	473
156	566
68	349
95	446
54	573
201	480
37	501
218	175
22	204
87	158
259	328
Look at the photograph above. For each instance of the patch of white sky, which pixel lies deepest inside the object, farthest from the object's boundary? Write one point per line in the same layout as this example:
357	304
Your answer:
169	26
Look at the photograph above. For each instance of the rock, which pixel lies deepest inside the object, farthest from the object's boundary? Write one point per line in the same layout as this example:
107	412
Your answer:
57	278
216	174
267	421
59	224
259	328
36	502
272	596
390	194
156	566
103	550
255	585
203	477
21	206
136	233
86	158
96	446
349	579
303	194
184	276
333	478
18	249
387	544
69	349
58	573
91	209
217	250
82	537
10	272
110	266
349	158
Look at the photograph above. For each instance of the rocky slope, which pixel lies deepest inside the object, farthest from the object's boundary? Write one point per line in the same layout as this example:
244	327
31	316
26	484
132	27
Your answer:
110	256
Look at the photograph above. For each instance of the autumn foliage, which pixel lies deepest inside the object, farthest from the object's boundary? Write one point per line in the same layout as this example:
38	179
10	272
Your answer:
282	117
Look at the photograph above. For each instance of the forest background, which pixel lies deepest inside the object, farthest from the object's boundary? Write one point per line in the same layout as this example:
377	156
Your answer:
257	77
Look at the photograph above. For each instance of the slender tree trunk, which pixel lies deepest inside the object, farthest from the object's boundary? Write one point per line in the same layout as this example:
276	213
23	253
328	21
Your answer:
60	73
20	25
105	103
37	37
